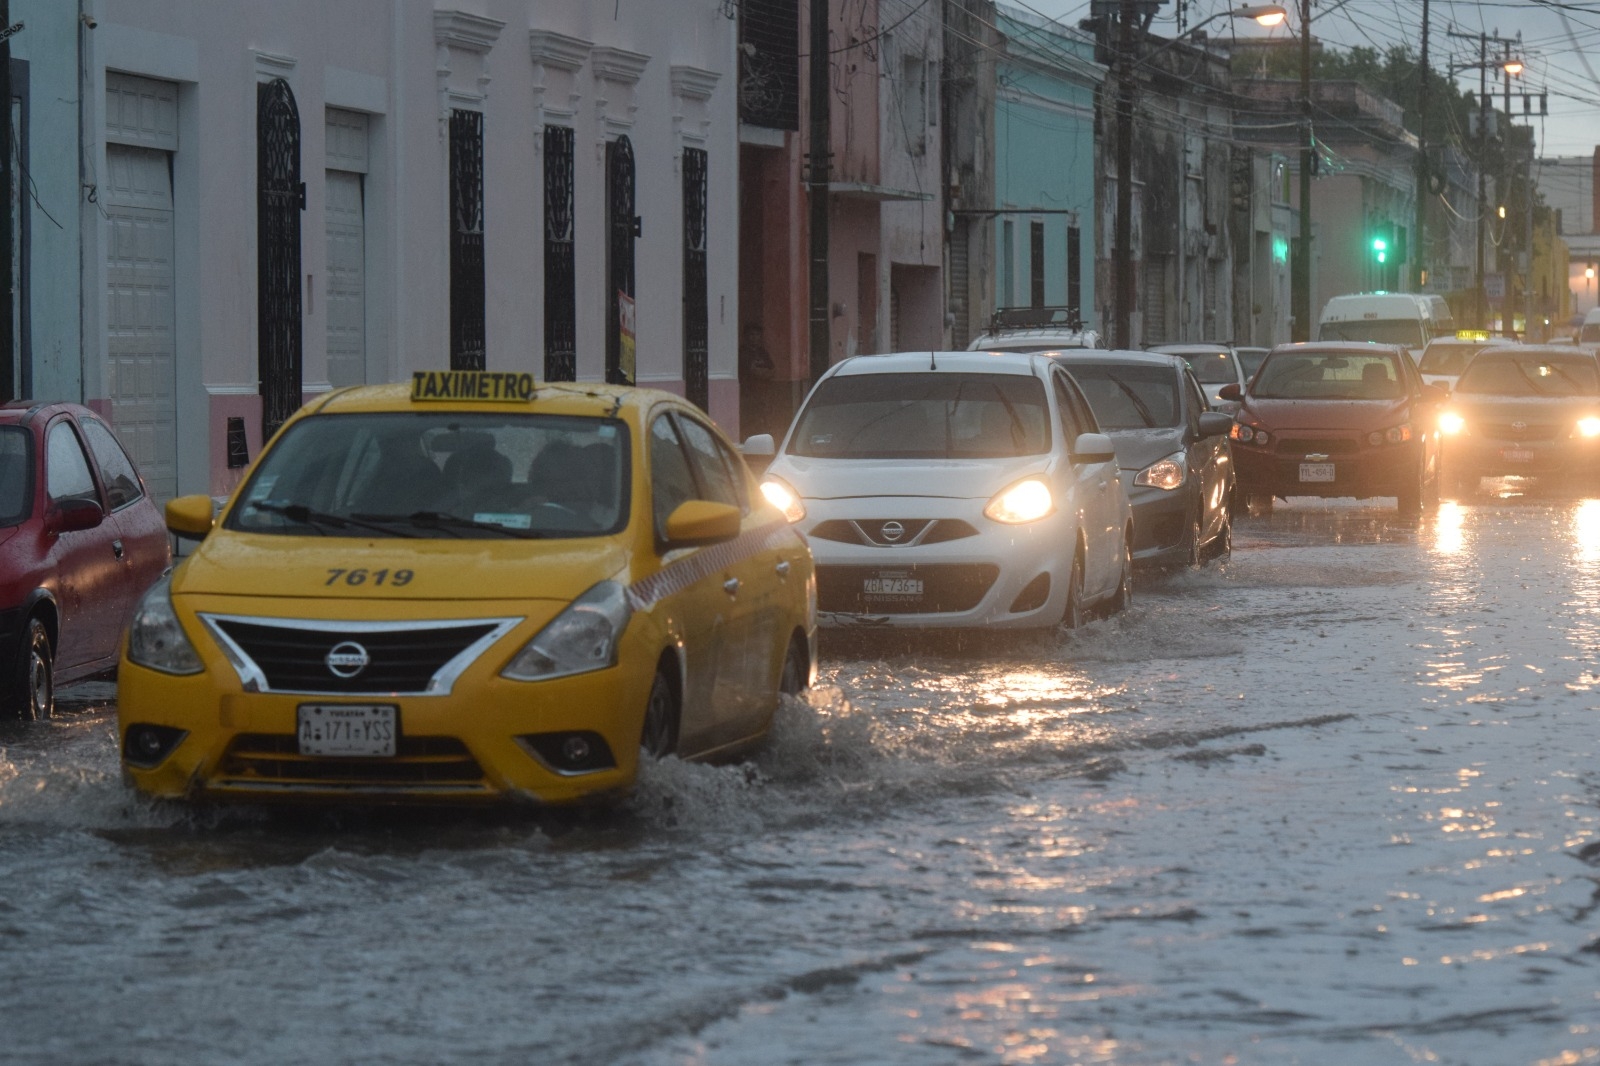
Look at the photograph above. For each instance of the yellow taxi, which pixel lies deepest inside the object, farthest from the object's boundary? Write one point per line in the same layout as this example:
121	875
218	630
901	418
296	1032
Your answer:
469	587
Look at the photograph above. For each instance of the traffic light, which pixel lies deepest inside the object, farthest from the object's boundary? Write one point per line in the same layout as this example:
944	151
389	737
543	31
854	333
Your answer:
1382	243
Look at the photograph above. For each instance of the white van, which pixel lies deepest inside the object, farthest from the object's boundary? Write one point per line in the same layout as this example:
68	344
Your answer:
1589	332
1382	318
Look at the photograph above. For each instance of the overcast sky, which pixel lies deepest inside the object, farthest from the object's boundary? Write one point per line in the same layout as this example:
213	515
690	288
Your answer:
1556	35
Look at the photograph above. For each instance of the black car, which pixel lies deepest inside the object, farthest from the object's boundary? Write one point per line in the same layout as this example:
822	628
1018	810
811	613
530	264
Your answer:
1172	450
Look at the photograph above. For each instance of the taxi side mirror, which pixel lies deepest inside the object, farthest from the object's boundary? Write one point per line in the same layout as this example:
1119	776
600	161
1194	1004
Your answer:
698	522
71	516
190	516
1230	392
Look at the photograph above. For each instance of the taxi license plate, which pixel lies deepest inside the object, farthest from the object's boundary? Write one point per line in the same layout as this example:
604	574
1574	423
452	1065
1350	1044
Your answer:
886	585
1517	455
1316	471
347	729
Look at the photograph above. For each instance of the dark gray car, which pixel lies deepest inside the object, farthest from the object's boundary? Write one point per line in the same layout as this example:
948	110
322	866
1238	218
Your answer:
1172	451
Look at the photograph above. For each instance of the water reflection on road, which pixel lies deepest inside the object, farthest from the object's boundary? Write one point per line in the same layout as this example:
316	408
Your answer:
1332	802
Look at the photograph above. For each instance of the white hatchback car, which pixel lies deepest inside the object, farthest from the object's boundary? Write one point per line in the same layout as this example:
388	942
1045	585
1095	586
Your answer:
954	490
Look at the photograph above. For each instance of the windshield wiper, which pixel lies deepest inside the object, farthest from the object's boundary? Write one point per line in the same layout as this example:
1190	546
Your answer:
449	522
321	521
1138	401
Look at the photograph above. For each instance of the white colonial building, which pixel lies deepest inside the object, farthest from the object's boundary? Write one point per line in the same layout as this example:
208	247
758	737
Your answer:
228	206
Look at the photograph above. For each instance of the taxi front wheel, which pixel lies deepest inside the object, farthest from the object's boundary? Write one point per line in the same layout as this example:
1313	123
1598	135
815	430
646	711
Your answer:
660	736
795	669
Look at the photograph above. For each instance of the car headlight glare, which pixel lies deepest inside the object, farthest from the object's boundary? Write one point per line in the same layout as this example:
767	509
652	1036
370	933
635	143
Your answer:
1167	473
1589	427
1451	423
1027	501
155	636
784	498
582	638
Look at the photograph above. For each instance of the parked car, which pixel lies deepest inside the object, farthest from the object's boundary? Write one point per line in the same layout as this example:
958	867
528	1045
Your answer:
1337	419
1035	329
1445	357
1173	450
1589	330
1214	365
1251	359
955	489
80	541
468	589
1524	409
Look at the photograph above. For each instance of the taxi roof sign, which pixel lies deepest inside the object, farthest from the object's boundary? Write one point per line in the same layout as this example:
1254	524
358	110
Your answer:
1472	334
481	386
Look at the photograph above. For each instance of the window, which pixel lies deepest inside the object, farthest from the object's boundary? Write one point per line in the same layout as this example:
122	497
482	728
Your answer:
671	478
924	416
116	469
718	480
16	475
66	469
1036	264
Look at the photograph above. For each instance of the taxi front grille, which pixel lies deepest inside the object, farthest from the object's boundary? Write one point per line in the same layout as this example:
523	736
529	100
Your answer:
274	758
945	589
349	658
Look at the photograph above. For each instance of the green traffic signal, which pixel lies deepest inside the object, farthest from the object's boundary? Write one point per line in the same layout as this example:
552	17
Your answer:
1380	249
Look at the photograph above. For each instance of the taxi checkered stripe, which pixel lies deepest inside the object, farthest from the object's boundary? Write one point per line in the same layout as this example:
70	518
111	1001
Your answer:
677	576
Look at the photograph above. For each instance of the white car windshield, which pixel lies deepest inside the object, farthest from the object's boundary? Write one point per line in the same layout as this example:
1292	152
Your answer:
1403	331
440	475
1534	374
924	416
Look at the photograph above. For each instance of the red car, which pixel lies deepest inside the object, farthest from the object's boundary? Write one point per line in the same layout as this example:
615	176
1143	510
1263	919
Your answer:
80	542
1337	419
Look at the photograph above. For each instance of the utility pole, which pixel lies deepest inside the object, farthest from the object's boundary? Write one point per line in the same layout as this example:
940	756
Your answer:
1418	242
821	152
1122	241
1300	281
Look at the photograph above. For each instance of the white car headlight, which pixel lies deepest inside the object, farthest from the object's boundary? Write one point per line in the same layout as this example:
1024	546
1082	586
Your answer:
1451	423
784	498
1026	501
1589	427
1167	473
155	636
581	638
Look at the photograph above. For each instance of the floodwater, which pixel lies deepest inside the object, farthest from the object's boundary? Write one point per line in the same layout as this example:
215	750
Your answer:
1335	801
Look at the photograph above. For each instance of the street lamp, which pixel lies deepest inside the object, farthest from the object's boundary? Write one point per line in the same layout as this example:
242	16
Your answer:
1510	66
1122	241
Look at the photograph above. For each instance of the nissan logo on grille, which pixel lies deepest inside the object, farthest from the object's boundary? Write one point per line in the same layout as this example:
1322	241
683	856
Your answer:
891	531
347	659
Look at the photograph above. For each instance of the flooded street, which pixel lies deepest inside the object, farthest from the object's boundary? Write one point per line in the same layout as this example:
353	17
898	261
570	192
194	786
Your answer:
1335	801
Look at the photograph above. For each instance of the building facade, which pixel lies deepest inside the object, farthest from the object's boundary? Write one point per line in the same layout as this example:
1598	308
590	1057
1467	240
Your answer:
269	201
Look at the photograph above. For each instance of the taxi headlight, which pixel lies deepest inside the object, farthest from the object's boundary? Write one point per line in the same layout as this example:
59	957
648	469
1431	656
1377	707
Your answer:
581	638
784	498
155	636
1589	427
1165	473
1451	423
1026	501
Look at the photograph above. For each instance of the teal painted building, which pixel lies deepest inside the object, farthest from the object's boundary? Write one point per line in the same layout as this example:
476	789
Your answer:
1045	165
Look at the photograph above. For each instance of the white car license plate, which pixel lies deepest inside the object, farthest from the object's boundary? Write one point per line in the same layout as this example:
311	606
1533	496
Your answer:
1517	455
891	586
347	729
1316	471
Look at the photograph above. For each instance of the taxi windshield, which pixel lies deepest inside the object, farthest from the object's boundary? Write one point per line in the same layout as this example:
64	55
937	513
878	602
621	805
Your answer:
1532	374
440	474
1448	357
924	416
1313	375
